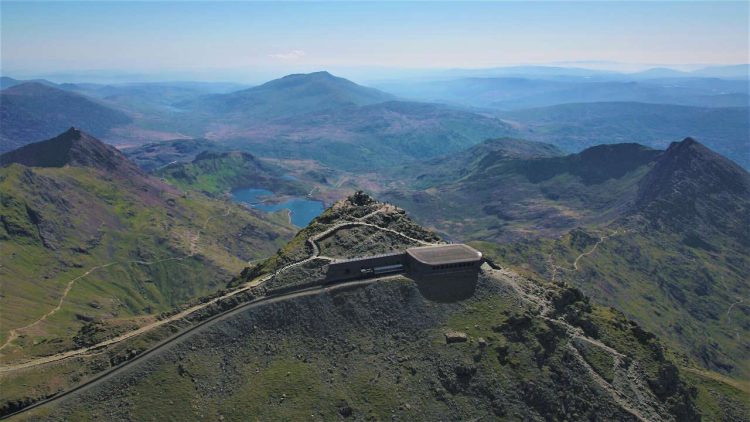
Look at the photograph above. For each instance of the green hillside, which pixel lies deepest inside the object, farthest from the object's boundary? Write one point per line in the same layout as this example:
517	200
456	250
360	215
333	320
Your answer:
218	173
96	247
534	350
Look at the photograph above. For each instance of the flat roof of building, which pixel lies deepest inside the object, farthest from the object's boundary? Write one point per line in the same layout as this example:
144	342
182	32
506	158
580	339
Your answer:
444	254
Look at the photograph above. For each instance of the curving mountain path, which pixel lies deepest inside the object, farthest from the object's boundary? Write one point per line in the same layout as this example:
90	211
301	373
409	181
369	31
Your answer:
312	240
628	388
109	373
593	249
193	250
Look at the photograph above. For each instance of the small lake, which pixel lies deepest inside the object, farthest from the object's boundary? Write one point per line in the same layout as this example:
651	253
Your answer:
303	210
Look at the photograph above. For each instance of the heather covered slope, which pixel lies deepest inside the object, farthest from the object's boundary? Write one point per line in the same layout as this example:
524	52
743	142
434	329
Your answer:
32	111
92	246
378	350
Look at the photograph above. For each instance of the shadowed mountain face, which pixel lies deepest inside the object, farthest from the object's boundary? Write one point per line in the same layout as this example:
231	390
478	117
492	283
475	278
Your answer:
533	192
691	186
32	111
85	229
156	155
72	148
593	166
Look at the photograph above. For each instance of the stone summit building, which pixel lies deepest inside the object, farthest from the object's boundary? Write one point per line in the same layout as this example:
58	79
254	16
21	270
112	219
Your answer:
439	261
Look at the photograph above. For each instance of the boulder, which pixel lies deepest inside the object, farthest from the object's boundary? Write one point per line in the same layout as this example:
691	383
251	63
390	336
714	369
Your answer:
455	337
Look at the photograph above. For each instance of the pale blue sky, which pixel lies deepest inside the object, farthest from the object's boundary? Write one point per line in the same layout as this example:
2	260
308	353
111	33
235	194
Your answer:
204	38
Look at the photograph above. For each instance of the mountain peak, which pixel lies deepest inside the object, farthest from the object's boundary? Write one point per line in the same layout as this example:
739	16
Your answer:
322	74
292	95
689	181
30	88
73	132
71	148
690	156
685	145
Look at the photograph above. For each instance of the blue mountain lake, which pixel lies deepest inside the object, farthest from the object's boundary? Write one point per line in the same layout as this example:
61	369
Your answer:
302	210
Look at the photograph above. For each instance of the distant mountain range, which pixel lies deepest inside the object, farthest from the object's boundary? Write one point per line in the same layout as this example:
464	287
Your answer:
520	92
360	138
351	127
573	127
337	122
32	111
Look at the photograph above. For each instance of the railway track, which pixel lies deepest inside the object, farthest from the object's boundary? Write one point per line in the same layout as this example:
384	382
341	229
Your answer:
183	335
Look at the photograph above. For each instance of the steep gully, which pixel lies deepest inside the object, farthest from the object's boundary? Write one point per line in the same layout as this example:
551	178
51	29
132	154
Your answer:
628	388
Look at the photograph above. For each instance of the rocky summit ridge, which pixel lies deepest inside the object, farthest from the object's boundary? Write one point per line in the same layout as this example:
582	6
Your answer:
379	348
71	148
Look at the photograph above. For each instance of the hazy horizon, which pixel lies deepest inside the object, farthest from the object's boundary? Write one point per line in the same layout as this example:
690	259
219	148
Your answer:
250	42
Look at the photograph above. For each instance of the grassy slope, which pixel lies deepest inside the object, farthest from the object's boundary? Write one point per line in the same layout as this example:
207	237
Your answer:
85	220
378	352
216	174
681	293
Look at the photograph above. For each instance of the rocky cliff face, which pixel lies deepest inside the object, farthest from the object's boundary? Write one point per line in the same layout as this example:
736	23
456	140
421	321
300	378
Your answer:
691	187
